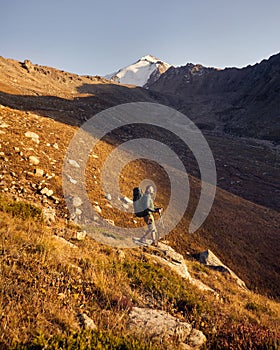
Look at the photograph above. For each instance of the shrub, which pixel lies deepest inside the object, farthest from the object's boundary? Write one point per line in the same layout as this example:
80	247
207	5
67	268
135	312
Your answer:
22	210
85	340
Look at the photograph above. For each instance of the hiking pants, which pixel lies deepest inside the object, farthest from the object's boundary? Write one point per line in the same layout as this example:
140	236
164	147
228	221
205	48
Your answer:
150	221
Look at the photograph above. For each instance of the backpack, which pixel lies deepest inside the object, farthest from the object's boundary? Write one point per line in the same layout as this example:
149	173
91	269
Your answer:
138	204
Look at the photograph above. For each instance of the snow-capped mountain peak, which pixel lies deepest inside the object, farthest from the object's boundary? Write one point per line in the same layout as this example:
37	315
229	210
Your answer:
147	68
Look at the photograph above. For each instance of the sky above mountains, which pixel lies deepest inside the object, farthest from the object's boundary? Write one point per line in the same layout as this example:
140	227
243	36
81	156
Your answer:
101	36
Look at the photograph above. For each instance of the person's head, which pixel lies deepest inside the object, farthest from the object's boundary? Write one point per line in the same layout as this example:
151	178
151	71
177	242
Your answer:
150	189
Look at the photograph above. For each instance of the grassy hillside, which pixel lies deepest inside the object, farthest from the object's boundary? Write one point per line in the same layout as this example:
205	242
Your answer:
45	285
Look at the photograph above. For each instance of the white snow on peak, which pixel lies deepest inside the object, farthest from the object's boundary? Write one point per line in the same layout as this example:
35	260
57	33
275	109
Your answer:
139	72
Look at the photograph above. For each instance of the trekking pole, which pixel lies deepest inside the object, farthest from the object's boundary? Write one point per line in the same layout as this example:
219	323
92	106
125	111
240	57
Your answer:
161	220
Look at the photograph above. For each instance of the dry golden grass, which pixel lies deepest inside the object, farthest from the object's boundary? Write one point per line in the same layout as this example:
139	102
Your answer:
45	285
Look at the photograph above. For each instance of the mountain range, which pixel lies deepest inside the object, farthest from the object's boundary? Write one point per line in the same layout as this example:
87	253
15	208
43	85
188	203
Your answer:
242	102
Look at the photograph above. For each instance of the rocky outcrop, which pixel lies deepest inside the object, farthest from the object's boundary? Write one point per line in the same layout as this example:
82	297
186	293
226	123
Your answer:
162	326
167	256
209	259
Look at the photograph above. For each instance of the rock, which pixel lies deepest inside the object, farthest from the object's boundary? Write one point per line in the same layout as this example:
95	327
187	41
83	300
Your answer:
73	163
95	218
55	145
4	125
209	259
77	202
108	196
81	235
78	211
39	172
73	181
176	262
86	322
162	326
171	254
48	215
97	209
33	136
47	192
196	339
28	65
34	160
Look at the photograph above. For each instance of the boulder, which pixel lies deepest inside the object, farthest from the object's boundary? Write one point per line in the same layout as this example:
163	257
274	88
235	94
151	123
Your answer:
162	326
209	259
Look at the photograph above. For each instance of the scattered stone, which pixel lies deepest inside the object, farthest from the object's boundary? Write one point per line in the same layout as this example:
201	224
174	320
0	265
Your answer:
95	218
73	181
55	145
34	160
97	209
209	259
17	149
73	163
39	172
4	125
48	215
78	211
81	235
33	136
47	192
77	202
108	196
162	326
86	322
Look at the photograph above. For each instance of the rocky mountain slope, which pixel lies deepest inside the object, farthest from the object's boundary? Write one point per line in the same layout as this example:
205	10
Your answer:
242	102
88	285
145	71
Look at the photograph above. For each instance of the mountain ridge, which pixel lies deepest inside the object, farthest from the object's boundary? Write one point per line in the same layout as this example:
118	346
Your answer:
239	101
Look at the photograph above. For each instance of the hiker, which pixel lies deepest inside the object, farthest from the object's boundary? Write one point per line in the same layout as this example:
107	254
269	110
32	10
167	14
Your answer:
148	204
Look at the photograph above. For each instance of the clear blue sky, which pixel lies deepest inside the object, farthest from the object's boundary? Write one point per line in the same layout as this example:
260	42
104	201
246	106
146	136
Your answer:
101	36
